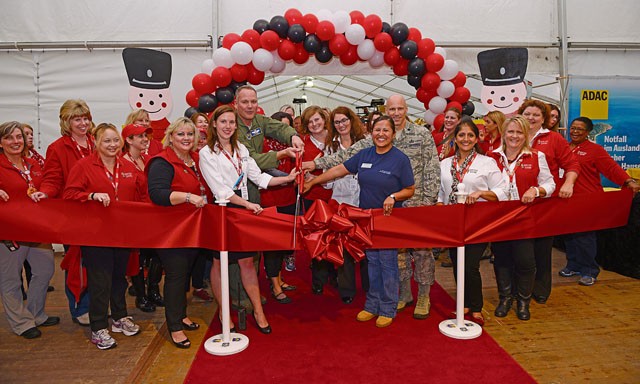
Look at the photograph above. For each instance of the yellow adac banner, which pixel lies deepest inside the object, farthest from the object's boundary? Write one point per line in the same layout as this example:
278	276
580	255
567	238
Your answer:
594	104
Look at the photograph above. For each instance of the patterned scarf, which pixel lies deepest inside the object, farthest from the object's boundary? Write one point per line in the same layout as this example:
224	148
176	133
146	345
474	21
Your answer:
464	168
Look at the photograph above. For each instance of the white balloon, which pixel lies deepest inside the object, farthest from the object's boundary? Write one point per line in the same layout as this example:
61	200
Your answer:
449	70
262	59
325	14
341	20
207	66
446	89
377	60
429	116
222	58
366	50
278	64
241	52
437	104
355	34
441	51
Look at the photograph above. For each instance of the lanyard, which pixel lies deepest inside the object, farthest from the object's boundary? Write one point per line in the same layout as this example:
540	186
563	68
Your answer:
203	191
79	148
510	172
135	163
113	178
26	175
237	167
460	174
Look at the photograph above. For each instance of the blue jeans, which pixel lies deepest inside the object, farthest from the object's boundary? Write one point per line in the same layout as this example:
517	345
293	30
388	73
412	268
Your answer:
581	253
384	282
80	308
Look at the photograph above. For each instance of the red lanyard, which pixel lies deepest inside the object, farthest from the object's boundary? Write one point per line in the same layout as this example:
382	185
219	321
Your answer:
506	166
26	175
135	163
113	178
79	148
238	167
459	174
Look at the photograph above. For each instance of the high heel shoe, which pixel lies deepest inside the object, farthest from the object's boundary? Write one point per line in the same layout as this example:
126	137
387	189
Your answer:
184	344
266	330
190	327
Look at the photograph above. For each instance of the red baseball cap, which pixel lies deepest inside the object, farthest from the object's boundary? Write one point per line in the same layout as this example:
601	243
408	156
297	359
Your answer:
135	129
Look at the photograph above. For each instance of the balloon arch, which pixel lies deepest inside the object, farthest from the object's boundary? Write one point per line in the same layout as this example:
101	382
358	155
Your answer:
351	37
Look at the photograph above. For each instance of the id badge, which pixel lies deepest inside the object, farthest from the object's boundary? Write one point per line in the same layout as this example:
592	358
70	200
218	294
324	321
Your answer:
244	192
513	192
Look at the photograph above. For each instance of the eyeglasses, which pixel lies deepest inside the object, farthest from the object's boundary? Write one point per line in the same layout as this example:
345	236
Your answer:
341	122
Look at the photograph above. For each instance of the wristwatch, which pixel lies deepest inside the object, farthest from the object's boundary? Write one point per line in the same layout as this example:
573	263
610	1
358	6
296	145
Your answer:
393	196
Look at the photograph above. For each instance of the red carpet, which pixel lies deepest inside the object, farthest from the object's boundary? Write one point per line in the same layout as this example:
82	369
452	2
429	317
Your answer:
316	339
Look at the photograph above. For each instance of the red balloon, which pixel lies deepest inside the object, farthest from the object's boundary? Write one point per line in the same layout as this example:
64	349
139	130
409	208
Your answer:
221	76
251	37
293	16
434	62
461	95
260	111
414	34
383	41
430	81
357	17
372	25
421	95
287	50
192	98
401	68
392	56
454	104
301	55
438	122
238	73
325	30
229	39
254	76
426	47
460	80
202	83
338	44
270	40
351	56
428	96
310	23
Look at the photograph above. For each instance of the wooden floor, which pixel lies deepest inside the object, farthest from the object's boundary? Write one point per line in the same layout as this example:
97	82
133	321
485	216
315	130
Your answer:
583	334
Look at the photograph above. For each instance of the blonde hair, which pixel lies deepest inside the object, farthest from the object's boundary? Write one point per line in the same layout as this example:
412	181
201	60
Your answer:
498	118
7	129
522	123
180	122
100	130
70	109
136	114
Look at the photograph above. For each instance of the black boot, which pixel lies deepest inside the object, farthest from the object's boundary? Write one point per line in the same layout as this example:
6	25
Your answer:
153	282
523	309
144	304
503	279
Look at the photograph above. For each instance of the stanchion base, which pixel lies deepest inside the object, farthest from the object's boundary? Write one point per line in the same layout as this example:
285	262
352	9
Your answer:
237	343
469	329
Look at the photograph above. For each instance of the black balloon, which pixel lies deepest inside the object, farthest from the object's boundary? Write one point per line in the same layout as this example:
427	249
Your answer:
235	85
324	54
189	112
468	108
408	49
399	33
386	27
261	25
296	33
312	43
224	95
207	103
414	81
416	67
279	25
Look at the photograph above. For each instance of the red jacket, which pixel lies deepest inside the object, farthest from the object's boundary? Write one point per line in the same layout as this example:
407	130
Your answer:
184	178
89	175
155	147
489	145
558	155
594	160
12	182
526	174
310	153
62	155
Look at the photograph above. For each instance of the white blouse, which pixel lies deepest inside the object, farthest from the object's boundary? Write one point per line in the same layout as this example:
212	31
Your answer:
221	172
483	175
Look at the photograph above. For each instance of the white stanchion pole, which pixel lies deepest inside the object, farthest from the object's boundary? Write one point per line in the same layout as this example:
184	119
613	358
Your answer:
226	343
459	328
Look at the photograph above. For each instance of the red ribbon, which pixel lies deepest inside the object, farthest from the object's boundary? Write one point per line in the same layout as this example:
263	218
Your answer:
329	228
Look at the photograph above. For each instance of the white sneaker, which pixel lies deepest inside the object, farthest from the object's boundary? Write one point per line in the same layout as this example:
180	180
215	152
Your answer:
126	326
102	339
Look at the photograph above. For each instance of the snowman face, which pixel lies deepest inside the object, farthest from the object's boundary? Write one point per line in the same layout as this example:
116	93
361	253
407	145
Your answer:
504	98
158	102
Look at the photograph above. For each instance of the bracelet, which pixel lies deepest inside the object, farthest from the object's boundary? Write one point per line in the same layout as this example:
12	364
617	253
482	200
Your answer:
187	198
537	191
91	196
629	181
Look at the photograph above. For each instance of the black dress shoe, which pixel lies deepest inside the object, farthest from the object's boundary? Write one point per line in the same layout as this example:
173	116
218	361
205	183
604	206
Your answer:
347	299
540	299
132	290
266	330
190	327
51	320
144	304
316	290
503	307
31	333
50	288
522	311
184	344
156	299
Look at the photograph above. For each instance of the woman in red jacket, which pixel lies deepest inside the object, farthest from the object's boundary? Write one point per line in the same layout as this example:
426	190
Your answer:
174	178
104	177
20	178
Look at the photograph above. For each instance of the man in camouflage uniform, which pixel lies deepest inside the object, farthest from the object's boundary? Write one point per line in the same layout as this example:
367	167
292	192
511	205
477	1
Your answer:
417	143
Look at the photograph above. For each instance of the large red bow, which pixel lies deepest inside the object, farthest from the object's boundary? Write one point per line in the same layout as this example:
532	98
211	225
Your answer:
328	228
